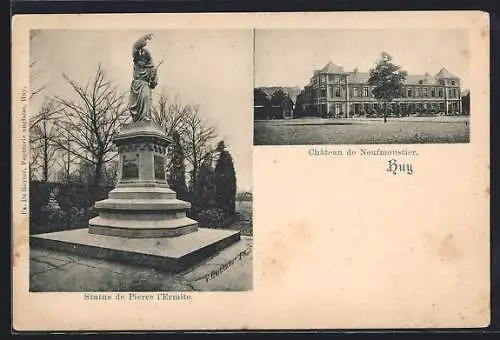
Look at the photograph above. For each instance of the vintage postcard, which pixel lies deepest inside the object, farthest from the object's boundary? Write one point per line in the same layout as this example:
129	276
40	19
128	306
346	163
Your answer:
250	171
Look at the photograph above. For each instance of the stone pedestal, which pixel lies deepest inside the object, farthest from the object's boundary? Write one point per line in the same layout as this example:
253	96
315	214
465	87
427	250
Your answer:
142	204
142	221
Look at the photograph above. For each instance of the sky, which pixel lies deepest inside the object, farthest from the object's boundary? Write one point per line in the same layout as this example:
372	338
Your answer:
211	69
288	57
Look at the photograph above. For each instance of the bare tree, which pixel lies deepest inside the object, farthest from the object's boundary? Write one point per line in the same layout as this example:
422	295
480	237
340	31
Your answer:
42	139
169	113
197	137
92	120
65	158
35	153
196	134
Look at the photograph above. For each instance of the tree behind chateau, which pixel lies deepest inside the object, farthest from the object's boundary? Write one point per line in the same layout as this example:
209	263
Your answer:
262	104
388	81
260	98
277	97
276	100
225	180
177	169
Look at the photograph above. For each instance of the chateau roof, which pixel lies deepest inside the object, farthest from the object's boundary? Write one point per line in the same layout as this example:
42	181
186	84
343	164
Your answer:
420	78
332	68
359	77
356	77
362	78
444	73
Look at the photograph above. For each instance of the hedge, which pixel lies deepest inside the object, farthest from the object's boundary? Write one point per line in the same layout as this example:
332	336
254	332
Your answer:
62	206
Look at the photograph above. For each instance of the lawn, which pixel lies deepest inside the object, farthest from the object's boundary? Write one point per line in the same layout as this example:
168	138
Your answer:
362	131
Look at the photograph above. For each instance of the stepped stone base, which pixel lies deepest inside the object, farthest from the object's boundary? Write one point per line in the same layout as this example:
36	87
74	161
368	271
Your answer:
170	254
142	205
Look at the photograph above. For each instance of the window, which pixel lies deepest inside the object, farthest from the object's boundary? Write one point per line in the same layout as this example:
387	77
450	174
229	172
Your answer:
440	92
450	93
337	91
337	79
433	92
323	79
425	91
455	93
322	92
409	92
330	91
337	108
417	92
365	91
356	91
453	83
331	77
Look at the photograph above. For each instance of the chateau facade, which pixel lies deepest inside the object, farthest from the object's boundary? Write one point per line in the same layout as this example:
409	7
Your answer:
333	91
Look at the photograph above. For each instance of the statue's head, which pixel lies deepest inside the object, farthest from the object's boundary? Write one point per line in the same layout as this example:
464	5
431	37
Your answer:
144	58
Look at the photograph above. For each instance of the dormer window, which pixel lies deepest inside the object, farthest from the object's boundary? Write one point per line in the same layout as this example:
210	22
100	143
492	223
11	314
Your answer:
453	83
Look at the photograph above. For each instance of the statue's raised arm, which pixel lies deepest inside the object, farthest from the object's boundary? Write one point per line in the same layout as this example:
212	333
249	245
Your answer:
139	45
144	80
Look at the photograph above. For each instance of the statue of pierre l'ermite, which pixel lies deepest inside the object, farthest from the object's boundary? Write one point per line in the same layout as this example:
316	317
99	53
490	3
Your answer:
145	79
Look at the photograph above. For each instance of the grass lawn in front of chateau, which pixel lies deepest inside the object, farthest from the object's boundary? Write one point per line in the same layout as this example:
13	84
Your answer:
318	131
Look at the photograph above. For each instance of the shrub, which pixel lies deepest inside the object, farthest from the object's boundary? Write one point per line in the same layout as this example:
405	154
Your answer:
214	217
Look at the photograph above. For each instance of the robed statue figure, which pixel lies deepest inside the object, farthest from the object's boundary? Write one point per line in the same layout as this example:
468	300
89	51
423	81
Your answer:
145	79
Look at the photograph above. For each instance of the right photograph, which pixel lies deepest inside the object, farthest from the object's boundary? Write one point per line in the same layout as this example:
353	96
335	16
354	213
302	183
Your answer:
370	86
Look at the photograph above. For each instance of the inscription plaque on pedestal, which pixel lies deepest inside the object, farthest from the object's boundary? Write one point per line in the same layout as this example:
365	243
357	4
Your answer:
130	167
159	167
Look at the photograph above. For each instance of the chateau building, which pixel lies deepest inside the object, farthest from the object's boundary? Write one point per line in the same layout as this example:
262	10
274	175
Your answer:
334	91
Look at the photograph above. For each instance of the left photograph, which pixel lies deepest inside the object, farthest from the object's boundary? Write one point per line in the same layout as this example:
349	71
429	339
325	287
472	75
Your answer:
140	161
